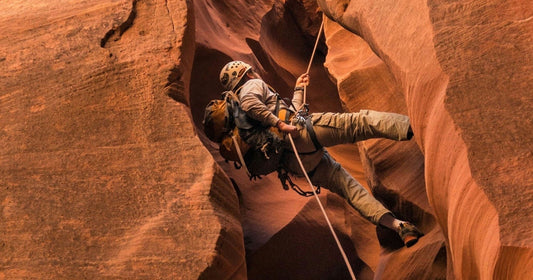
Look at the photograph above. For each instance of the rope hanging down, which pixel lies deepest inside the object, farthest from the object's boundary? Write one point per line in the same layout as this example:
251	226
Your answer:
323	210
311	62
307	176
303	168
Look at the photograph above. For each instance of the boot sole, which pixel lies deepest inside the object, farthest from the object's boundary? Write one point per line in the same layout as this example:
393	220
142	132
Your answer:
410	241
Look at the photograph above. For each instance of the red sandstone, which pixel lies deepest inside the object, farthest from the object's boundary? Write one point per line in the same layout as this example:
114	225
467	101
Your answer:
105	173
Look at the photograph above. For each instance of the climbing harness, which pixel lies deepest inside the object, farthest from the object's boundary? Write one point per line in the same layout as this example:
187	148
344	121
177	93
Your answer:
302	115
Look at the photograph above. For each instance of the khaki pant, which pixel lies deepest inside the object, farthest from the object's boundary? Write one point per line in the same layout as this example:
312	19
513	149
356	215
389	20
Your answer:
341	128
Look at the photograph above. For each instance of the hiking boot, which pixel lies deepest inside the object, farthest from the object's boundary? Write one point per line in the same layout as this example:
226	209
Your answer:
409	234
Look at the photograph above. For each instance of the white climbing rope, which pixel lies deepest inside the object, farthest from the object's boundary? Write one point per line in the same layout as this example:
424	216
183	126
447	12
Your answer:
305	172
323	210
316	44
311	61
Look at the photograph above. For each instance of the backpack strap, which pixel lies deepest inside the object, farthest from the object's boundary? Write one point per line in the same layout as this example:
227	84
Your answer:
278	99
239	153
278	103
282	113
239	116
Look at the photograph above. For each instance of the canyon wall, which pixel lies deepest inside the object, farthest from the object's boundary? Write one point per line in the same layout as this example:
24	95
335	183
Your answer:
101	173
105	171
282	229
464	69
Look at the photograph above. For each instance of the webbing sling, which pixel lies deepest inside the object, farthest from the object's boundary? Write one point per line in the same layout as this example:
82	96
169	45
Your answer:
241	158
283	176
312	134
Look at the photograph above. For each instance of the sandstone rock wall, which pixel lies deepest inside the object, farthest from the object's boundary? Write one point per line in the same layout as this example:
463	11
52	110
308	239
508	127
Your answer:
101	173
464	70
395	170
281	229
105	173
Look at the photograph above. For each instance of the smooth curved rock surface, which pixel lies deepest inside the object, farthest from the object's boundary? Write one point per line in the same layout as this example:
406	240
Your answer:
464	70
278	224
105	173
395	170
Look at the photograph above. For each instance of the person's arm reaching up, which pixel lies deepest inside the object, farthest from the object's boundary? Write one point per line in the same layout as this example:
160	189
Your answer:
297	98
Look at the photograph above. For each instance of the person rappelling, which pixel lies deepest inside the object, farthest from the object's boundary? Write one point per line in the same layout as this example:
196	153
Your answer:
263	133
318	130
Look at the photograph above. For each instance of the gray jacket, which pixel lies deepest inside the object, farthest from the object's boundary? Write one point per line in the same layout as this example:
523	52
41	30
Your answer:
259	101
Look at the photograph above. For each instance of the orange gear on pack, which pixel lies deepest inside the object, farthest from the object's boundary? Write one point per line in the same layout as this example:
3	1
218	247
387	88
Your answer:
217	119
232	74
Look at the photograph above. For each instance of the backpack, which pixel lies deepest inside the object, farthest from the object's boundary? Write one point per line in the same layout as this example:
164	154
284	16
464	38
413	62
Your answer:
218	117
228	125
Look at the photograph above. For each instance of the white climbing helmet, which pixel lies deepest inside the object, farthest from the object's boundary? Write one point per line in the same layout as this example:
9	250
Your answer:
232	73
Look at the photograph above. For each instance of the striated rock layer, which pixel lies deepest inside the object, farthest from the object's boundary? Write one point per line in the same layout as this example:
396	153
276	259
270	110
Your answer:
464	70
395	170
105	173
101	172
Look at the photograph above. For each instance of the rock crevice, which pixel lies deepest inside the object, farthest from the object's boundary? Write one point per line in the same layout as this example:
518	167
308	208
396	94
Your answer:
115	33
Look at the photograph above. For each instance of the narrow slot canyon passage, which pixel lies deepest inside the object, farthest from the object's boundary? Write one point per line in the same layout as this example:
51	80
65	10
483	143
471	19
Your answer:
281	227
106	172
